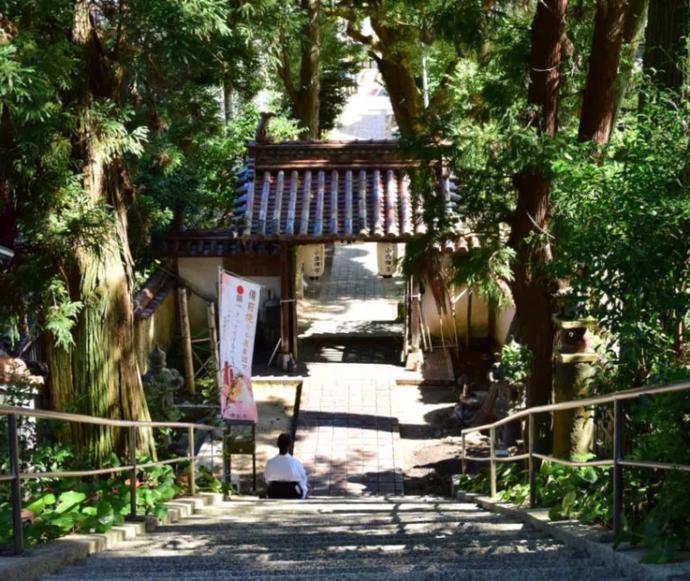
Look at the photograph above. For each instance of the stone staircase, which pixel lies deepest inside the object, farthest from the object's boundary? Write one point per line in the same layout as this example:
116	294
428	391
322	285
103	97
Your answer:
342	538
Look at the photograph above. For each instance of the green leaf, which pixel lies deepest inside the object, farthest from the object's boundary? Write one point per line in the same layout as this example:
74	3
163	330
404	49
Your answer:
68	500
39	505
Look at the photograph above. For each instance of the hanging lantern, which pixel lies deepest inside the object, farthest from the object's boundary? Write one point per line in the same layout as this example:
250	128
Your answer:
387	258
314	260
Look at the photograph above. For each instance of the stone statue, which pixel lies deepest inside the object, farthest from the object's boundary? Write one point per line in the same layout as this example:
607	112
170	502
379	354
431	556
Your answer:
261	135
161	383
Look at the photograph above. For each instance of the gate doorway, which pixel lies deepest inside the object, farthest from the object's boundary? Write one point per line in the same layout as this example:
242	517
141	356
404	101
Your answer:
351	313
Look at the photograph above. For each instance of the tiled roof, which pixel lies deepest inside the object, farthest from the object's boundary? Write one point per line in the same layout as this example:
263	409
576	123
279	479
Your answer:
154	292
321	191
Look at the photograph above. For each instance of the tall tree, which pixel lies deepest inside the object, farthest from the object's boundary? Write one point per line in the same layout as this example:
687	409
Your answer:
666	48
417	47
67	113
529	224
599	100
304	92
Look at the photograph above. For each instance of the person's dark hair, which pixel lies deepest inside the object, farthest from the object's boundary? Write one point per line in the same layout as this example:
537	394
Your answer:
284	442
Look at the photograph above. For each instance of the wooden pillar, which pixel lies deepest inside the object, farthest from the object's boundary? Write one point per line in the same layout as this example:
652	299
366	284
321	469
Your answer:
415	357
186	340
213	335
288	307
468	329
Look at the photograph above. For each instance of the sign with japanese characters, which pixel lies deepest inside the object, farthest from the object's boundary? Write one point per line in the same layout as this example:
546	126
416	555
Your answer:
239	306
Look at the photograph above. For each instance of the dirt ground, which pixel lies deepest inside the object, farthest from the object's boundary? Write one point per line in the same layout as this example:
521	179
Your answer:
429	433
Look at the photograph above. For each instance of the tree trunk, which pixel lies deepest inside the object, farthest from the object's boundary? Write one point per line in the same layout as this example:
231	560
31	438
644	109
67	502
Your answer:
395	66
308	94
99	375
404	94
599	99
227	100
666	51
531	289
633	30
599	104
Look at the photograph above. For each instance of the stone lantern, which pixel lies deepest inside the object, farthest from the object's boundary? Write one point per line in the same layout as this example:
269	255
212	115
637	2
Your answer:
161	383
574	368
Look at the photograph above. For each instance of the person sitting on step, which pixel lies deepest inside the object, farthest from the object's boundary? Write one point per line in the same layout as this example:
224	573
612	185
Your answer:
285	476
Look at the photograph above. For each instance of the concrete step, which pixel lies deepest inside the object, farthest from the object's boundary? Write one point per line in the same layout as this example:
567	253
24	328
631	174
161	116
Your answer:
328	573
406	538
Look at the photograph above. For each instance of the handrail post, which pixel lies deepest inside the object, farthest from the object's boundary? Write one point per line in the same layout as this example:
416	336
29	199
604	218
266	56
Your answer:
464	451
532	470
15	486
133	474
192	472
617	467
492	438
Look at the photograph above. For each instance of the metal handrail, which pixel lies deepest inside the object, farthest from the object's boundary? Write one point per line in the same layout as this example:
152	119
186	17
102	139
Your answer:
617	461
16	476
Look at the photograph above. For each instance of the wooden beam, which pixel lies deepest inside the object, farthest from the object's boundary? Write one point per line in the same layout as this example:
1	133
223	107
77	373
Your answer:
468	330
288	307
415	316
213	336
186	340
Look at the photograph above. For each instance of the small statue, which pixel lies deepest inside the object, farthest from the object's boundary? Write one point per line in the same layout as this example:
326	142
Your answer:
160	383
262	128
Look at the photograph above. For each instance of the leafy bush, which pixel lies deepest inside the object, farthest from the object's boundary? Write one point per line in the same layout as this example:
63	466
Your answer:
515	361
656	510
54	507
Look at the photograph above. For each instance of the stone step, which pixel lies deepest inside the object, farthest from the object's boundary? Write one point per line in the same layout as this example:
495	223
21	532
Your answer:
186	559
213	572
363	531
343	539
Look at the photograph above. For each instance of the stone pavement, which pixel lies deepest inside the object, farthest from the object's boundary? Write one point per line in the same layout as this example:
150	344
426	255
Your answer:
352	299
347	436
344	539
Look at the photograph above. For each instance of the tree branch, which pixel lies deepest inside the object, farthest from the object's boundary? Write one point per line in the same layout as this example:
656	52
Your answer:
285	74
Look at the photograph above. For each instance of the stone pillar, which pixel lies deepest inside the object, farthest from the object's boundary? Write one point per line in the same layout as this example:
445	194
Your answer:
573	429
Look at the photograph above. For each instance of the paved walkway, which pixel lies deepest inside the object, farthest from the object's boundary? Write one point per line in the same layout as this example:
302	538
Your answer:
347	436
352	299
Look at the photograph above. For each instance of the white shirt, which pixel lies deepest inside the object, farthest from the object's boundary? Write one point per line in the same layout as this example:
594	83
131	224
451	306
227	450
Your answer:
285	468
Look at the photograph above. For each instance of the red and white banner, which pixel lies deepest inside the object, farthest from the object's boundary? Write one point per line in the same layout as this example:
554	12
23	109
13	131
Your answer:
238	308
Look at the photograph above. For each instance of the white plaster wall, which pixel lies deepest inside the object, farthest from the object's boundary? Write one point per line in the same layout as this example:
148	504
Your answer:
202	273
480	316
502	324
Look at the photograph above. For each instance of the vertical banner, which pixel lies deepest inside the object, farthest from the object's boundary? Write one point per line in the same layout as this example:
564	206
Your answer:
239	306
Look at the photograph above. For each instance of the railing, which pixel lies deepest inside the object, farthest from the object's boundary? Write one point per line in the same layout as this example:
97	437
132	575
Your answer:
618	462
16	476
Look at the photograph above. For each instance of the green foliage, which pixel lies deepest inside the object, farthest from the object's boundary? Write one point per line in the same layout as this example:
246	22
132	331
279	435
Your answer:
622	217
585	494
515	360
206	480
59	506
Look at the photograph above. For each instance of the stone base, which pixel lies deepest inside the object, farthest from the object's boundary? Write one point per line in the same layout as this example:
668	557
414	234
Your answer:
415	360
286	361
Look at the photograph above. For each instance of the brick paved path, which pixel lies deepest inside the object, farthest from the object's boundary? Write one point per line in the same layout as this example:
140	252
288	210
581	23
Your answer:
352	299
347	436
